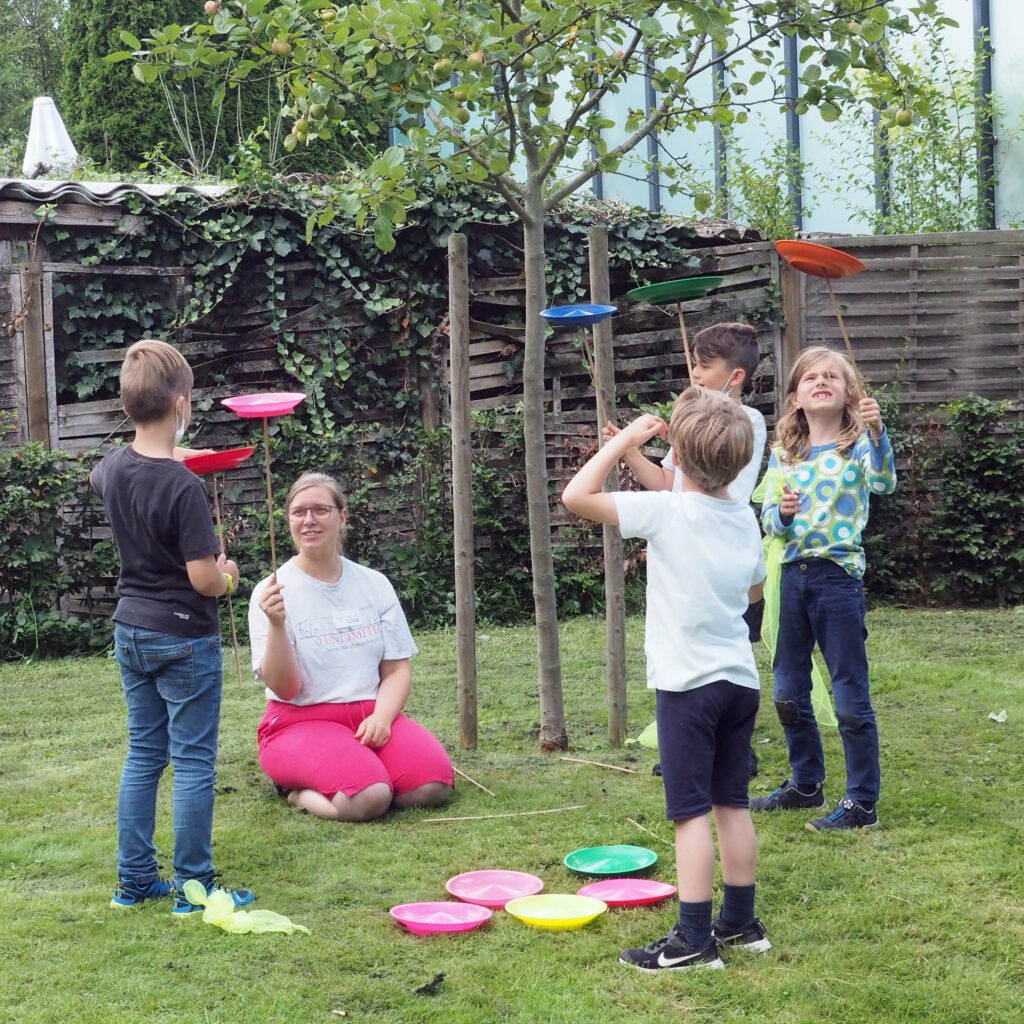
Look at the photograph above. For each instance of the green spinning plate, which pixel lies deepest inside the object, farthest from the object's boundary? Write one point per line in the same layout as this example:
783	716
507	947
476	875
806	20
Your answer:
610	860
680	290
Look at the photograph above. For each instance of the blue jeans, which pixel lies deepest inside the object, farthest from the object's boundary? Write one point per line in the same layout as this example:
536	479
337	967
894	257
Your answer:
172	686
821	602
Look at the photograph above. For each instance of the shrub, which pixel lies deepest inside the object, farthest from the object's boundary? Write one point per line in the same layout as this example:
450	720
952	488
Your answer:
48	555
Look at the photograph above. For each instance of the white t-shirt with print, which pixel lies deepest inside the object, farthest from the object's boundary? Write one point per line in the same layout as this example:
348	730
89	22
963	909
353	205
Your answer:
340	632
743	486
703	555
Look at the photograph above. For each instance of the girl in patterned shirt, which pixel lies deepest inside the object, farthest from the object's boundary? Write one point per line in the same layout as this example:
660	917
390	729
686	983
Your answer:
831	454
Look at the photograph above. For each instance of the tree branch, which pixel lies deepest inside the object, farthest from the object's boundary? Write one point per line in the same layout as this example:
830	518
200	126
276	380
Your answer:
653	120
587	103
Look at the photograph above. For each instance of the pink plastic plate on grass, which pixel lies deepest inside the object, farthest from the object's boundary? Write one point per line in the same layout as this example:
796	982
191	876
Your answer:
252	407
628	892
493	888
218	462
434	918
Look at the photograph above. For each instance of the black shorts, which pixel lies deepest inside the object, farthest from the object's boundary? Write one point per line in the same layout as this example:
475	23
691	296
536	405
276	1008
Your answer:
753	617
704	744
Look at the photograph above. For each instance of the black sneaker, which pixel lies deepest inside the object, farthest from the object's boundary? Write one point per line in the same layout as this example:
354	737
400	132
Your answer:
788	798
672	953
848	814
656	770
750	936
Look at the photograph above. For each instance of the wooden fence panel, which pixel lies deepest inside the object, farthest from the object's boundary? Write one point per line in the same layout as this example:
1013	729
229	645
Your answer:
649	363
13	431
938	315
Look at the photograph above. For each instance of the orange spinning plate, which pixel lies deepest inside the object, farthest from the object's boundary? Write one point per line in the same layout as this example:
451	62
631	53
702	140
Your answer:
818	260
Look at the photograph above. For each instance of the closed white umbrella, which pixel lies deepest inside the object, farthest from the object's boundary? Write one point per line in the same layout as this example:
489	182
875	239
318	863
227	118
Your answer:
49	145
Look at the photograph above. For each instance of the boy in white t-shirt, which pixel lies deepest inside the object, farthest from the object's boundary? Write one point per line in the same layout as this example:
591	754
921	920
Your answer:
704	565
725	357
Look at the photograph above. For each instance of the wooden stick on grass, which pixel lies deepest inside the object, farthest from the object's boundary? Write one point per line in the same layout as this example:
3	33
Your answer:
599	764
513	814
463	775
661	839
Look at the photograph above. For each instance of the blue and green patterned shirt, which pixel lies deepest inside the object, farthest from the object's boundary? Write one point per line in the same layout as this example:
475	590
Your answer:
835	492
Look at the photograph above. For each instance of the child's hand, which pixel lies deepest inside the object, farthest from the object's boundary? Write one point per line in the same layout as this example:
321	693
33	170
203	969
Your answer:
872	416
643	428
789	506
608	431
272	603
181	454
224	564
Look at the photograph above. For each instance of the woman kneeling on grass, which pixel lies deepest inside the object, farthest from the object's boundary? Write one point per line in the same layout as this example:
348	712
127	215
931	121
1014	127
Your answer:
331	643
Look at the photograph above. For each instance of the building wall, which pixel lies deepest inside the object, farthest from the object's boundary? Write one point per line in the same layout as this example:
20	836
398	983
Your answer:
833	196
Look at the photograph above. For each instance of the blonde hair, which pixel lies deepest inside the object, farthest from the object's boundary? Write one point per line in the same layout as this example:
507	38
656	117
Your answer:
792	432
711	436
153	376
329	484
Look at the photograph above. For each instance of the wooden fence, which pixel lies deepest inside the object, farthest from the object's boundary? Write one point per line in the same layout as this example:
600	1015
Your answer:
939	315
649	363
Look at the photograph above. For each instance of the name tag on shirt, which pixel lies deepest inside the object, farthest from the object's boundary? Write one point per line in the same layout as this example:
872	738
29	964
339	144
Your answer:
348	618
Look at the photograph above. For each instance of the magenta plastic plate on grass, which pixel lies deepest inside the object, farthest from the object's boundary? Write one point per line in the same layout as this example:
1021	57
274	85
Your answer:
218	462
435	918
493	888
628	892
252	407
610	860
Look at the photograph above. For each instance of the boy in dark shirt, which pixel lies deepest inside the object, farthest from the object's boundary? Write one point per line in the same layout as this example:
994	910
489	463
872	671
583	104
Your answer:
166	631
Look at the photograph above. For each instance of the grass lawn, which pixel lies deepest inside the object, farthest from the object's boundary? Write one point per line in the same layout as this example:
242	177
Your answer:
920	920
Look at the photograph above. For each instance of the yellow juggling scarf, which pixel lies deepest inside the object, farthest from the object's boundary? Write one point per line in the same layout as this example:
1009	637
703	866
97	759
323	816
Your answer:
774	547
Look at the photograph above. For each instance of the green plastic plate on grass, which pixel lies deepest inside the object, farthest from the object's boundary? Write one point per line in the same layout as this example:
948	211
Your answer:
610	860
681	289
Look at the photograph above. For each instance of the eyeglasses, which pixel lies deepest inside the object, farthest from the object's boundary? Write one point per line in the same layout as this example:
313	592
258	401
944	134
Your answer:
296	515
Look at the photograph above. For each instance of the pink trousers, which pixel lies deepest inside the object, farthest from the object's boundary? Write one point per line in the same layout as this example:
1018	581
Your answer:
313	746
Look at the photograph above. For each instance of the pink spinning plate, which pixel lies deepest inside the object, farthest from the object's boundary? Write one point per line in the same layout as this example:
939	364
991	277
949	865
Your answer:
493	888
434	918
253	407
628	892
218	462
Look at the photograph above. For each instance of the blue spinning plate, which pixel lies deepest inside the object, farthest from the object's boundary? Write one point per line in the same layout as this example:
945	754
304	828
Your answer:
563	318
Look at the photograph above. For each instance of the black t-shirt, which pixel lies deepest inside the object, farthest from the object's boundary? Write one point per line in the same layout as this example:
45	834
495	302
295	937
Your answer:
160	517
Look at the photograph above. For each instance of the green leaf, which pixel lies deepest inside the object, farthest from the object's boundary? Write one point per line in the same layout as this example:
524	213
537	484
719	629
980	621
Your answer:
145	73
129	40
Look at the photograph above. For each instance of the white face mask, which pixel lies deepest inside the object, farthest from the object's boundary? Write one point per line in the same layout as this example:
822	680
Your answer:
727	387
179	428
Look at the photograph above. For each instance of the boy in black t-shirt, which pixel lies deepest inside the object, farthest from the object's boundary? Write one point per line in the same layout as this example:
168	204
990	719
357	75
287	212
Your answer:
166	631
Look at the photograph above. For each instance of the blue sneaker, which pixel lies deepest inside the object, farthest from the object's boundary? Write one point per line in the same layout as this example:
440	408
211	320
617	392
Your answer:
130	893
848	814
182	907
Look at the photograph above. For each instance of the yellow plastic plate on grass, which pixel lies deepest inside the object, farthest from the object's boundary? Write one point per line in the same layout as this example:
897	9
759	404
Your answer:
556	911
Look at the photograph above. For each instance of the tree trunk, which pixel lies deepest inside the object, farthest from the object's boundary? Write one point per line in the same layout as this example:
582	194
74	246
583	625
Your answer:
552	713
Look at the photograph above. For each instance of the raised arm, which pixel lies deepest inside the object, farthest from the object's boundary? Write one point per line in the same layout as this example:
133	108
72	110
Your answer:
649	475
278	666
584	494
877	460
